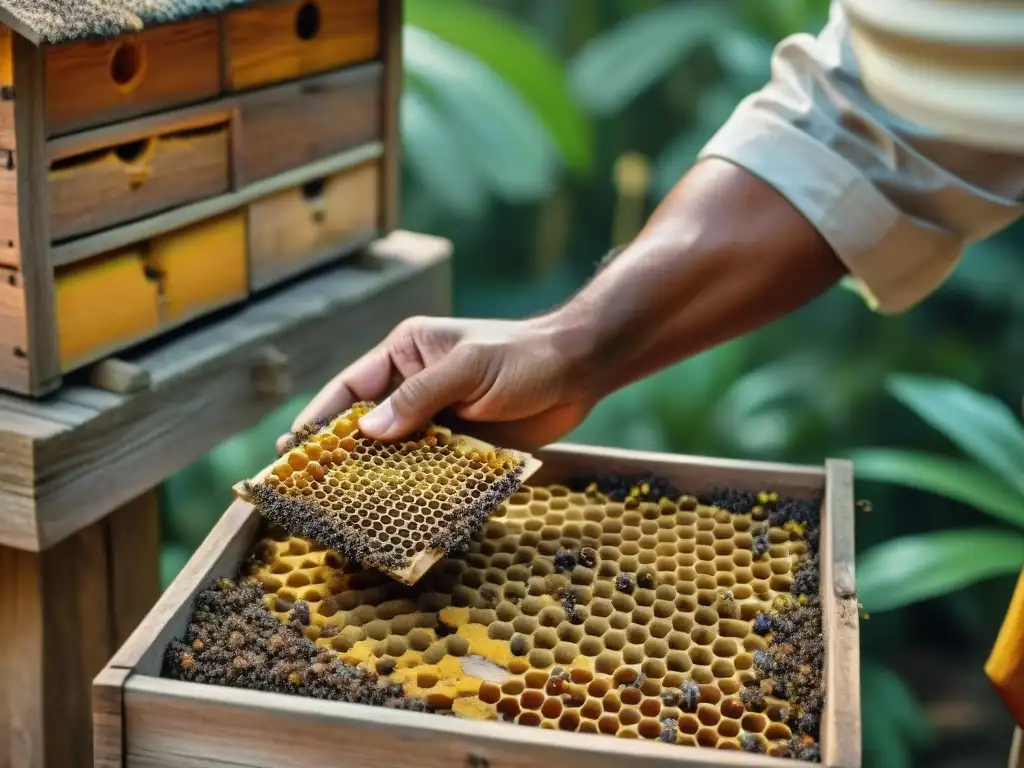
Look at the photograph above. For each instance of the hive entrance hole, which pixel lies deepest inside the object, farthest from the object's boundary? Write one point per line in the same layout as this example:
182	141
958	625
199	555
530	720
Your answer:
127	63
307	21
313	190
132	150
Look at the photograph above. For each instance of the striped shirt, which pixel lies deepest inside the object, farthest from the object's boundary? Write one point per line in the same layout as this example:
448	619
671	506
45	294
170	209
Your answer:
897	202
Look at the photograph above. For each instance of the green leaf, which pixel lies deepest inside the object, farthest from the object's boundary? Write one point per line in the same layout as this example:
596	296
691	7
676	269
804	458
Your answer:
521	60
909	569
893	720
434	155
982	426
498	131
612	69
956	479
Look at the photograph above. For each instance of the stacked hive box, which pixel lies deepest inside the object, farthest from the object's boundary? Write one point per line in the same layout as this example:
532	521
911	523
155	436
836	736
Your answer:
164	165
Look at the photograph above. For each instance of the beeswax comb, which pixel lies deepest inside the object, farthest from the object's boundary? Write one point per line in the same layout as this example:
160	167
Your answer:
397	508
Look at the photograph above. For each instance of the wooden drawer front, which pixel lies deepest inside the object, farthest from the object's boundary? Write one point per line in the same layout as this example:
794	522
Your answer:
276	42
202	267
290	126
103	304
94	83
120	183
300	228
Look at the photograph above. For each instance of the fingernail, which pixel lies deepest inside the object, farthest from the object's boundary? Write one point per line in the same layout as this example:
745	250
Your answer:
377	422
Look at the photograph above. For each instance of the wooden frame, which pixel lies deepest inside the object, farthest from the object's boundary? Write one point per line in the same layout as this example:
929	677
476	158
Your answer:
35	367
142	719
73	458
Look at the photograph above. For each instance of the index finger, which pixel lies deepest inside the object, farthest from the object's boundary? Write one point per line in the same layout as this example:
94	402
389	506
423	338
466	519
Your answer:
368	378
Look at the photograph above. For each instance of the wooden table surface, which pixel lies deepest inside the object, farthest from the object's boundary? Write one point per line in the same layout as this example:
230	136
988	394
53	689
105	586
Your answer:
71	459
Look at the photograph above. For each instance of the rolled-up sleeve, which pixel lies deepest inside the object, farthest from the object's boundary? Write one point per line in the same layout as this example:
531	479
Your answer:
895	202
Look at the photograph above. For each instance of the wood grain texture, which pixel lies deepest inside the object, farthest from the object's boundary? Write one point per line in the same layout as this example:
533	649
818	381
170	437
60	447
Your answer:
36	277
178	64
116	238
133	534
108	718
697	473
112	185
391	97
301	228
299	123
264	44
242	728
66	616
85	451
840	722
232	727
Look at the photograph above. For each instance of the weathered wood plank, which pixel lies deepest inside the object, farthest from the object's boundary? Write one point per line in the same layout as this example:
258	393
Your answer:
300	123
203	389
99	188
33	368
295	230
120	237
840	722
97	82
68	609
276	42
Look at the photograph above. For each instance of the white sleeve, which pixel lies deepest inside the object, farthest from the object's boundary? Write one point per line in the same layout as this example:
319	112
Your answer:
896	203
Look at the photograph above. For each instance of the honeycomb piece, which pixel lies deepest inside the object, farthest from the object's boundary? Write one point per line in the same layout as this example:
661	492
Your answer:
397	508
713	645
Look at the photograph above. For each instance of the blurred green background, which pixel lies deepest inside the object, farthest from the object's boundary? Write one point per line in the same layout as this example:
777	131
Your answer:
539	133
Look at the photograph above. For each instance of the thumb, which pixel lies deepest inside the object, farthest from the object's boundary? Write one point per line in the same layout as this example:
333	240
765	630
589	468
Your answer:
453	379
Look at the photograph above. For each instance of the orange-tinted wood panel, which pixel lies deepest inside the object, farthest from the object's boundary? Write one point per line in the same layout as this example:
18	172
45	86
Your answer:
276	42
98	82
202	267
104	304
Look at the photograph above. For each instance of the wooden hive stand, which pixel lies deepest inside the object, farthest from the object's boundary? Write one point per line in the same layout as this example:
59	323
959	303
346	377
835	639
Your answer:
79	532
169	173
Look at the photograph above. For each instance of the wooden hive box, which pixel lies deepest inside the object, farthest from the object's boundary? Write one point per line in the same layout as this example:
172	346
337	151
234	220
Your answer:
160	160
141	717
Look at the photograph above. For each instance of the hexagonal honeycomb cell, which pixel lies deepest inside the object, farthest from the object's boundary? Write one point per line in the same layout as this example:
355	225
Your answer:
618	606
397	507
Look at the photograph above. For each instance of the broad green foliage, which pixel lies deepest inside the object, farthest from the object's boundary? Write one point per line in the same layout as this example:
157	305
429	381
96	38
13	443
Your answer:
982	426
911	568
892	719
486	111
956	479
615	67
520	59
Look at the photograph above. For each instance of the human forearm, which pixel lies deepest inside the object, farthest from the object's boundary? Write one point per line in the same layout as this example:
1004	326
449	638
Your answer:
722	255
